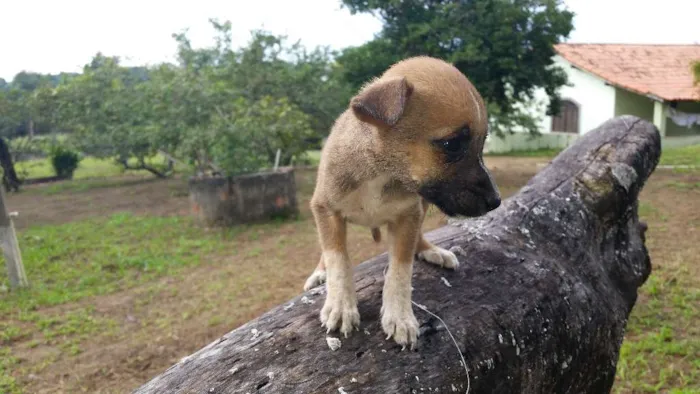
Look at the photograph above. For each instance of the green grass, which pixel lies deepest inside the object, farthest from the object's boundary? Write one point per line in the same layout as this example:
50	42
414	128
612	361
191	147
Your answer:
7	362
314	156
687	155
543	153
89	167
661	351
72	261
82	185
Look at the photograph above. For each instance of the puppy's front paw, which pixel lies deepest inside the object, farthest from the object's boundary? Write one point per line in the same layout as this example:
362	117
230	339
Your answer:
317	278
340	312
398	321
439	256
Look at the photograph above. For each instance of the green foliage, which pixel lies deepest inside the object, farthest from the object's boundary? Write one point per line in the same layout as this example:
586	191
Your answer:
229	111
268	67
252	132
64	161
253	100
217	108
504	47
10	111
107	107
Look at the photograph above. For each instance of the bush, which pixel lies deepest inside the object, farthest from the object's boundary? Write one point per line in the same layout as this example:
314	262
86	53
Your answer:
64	161
251	134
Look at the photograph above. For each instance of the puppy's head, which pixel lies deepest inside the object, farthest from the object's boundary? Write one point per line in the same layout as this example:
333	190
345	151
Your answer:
431	125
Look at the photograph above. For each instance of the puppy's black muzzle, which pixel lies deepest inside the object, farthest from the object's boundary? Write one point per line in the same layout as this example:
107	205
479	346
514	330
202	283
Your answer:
493	202
486	189
469	193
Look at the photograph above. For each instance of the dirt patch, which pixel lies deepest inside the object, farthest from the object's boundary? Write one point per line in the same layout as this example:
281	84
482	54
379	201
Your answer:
143	196
84	199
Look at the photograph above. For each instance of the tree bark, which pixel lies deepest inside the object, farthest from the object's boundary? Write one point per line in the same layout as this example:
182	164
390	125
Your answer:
144	166
30	128
539	303
9	176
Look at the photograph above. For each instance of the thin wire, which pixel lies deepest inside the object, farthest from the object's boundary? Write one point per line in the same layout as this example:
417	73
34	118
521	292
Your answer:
466	370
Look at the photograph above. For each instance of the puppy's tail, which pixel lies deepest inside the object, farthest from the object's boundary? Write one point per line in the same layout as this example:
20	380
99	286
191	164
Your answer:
376	234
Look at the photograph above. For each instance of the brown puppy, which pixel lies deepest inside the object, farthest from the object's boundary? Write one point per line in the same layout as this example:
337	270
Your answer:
411	137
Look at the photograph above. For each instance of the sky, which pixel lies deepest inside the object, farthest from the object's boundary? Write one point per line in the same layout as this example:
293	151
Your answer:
51	36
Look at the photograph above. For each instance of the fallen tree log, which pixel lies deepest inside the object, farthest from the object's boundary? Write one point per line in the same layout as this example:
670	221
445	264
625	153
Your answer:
539	303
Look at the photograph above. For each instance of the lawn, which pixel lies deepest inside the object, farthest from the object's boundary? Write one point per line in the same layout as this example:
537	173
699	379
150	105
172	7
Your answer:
124	284
540	153
688	156
88	168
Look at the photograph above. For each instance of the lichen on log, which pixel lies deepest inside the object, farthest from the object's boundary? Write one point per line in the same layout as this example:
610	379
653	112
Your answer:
539	303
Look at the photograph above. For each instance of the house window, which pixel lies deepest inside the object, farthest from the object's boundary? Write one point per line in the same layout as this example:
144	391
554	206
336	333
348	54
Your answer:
567	119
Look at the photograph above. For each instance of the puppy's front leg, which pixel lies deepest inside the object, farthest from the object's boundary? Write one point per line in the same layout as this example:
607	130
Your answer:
398	319
340	308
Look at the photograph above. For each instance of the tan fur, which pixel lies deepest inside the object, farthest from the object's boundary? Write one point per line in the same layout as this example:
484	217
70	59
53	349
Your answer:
378	159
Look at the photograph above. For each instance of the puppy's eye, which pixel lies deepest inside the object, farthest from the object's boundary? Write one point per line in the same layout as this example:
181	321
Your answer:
455	147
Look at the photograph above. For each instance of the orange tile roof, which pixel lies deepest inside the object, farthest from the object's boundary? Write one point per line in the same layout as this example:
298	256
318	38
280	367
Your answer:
664	71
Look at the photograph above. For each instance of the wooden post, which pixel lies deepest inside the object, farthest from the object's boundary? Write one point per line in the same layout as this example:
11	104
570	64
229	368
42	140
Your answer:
10	247
277	159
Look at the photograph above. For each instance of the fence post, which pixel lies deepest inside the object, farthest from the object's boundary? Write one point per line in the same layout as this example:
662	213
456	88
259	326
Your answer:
10	247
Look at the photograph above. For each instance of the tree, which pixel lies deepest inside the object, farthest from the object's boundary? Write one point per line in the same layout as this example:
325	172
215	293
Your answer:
8	111
309	79
504	46
251	132
231	110
253	101
107	107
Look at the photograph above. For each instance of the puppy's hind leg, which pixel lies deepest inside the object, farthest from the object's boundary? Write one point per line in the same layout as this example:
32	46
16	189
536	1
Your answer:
340	308
431	253
318	277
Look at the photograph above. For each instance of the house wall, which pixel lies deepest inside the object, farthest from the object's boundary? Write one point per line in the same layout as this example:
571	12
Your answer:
628	103
525	141
596	101
674	130
595	98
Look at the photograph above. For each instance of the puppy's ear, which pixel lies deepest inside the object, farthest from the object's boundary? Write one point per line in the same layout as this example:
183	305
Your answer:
382	103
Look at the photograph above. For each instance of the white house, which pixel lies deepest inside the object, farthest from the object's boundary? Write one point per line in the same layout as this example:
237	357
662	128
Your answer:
654	82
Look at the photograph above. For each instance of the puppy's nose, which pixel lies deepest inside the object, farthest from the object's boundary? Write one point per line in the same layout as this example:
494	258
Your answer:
493	201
